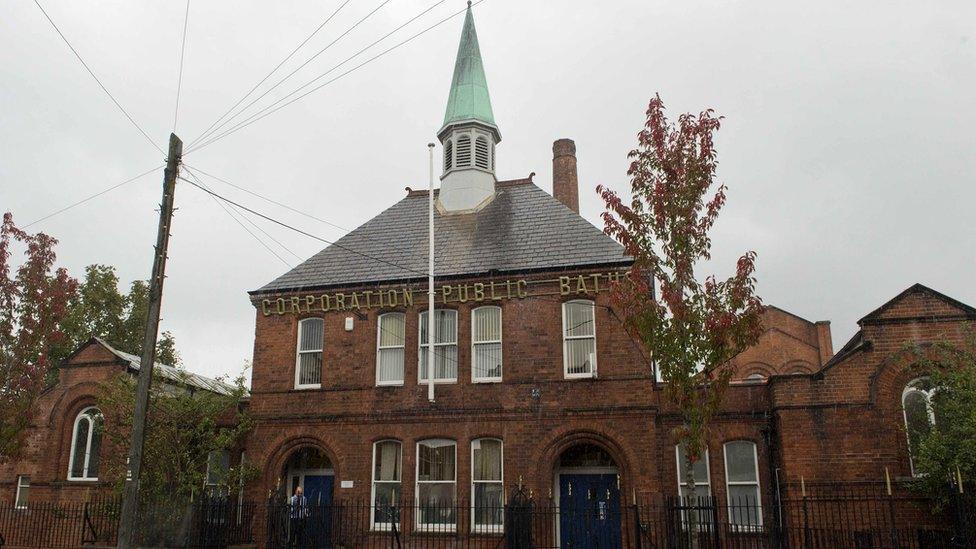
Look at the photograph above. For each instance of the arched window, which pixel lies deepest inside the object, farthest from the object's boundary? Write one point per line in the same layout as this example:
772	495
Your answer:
86	443
448	155
387	458
755	377
916	402
436	485
579	338
486	344
481	153
742	484
487	485
463	151
308	363
390	340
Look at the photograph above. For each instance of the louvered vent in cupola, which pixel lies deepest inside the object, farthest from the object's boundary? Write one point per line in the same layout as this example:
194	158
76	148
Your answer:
481	153
448	155
463	151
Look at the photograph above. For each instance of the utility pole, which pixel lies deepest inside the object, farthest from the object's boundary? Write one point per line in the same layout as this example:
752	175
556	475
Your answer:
130	497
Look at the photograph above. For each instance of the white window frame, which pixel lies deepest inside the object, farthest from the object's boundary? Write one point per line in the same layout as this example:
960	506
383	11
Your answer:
487	528
23	487
432	526
83	414
421	343
374	524
379	331
299	353
567	338
487	379
757	484
914	386
682	483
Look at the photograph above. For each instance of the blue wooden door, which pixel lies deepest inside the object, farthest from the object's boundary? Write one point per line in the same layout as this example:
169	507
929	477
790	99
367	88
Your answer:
318	493
589	511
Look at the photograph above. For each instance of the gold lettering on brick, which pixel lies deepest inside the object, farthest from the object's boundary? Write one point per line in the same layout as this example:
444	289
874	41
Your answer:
564	285
340	300
479	291
581	285
407	297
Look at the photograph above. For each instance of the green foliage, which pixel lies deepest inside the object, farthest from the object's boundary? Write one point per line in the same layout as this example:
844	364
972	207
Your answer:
184	428
946	451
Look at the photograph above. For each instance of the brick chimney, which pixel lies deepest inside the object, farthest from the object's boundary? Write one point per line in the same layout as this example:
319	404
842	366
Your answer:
565	183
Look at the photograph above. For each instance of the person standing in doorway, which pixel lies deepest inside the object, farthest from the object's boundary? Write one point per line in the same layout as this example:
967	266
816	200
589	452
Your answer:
298	513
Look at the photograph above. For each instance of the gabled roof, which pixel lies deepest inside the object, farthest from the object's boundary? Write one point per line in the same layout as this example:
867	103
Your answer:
468	99
875	315
522	229
170	373
855	344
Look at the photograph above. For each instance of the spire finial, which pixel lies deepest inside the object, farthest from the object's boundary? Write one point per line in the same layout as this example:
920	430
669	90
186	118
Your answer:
469	3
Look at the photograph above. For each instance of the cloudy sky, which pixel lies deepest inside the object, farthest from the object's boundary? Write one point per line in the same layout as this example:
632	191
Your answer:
847	146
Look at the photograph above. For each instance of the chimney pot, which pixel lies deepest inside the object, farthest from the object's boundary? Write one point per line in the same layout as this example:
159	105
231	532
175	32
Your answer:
565	181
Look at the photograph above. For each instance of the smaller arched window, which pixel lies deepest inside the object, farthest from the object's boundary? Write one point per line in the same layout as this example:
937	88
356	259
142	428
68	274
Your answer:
448	155
308	362
486	344
387	458
390	343
916	402
481	153
487	485
463	151
86	443
755	377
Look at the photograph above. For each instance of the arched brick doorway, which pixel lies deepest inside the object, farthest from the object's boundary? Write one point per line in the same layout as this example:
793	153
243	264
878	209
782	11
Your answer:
587	491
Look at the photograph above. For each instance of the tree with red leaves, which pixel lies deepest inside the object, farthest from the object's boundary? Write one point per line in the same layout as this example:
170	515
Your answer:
33	302
692	326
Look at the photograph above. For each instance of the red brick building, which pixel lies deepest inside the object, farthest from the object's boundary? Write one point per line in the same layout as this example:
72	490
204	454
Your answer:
536	381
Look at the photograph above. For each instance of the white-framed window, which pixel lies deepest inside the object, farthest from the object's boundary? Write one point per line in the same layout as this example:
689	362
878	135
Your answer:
700	472
436	485
308	363
486	344
742	484
579	338
218	464
445	347
387	459
86	443
463	159
487	485
390	343
23	487
916	402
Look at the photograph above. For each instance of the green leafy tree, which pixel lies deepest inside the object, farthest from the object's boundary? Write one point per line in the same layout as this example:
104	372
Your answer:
693	326
33	304
944	450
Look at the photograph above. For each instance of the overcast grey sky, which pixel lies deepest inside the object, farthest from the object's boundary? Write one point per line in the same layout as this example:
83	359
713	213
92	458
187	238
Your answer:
847	146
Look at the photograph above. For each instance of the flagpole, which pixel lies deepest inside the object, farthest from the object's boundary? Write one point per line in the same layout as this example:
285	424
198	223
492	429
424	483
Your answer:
430	279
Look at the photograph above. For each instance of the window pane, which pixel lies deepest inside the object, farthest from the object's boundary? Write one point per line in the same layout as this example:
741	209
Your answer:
744	505
579	319
741	461
436	461
387	461
487	460
391	364
437	502
578	357
81	443
487	360
445	329
311	334
445	362
310	368
916	414
392	330
488	507
95	450
487	324
699	470
23	487
387	502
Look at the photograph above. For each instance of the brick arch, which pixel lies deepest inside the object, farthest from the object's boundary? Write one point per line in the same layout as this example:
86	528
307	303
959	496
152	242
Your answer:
62	420
797	366
546	456
288	446
756	367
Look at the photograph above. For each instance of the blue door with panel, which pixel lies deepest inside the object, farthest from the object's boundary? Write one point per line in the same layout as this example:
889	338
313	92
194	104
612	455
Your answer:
589	511
318	526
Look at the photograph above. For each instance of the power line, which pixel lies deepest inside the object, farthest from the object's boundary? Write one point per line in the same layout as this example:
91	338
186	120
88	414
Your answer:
179	81
96	195
104	89
297	230
263	80
300	67
266	112
238	221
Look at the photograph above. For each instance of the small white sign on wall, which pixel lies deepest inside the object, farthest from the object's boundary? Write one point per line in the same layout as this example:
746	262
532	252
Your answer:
346	484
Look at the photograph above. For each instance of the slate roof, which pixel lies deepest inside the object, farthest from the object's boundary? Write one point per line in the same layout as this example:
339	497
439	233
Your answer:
522	229
171	373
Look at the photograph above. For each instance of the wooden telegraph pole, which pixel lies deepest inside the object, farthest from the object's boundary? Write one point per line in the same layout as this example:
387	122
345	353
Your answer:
130	497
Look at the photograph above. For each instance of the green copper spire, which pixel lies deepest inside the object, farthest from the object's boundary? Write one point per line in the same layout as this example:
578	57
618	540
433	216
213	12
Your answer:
469	89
